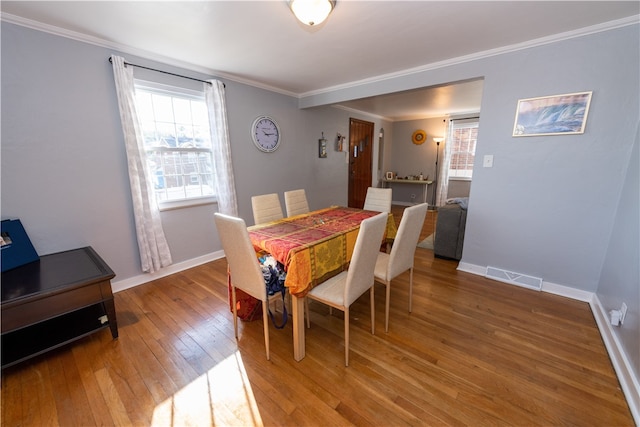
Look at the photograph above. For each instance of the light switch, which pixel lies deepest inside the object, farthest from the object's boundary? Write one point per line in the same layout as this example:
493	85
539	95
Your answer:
487	161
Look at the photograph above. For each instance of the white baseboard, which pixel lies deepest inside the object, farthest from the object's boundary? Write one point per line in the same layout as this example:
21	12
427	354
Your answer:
566	291
472	268
131	282
621	364
628	381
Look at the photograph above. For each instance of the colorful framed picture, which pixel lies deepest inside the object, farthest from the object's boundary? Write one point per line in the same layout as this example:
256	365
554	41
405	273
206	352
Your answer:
552	115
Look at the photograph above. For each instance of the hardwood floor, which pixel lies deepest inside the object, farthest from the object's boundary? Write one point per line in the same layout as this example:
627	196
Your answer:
473	352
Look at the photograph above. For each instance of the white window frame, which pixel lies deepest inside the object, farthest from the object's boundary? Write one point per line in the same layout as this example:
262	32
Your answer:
184	93
455	174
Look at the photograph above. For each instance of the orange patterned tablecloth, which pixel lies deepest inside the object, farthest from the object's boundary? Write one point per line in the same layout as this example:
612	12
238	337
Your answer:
315	246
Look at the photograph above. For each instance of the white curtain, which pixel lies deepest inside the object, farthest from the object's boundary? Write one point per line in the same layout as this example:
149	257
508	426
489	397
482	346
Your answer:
152	244
222	167
443	177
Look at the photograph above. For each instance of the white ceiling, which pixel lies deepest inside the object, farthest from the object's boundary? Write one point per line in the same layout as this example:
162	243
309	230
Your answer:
261	43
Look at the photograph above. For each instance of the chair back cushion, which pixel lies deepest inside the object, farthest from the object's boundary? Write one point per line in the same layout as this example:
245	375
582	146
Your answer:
243	265
404	245
363	261
378	199
266	208
296	202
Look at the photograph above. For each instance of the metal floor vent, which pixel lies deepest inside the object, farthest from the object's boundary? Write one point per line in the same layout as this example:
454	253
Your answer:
514	278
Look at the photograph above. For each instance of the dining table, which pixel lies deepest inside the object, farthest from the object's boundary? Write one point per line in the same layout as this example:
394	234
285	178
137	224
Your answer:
312	247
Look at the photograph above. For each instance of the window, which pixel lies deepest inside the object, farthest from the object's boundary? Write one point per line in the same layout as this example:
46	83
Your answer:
464	134
177	142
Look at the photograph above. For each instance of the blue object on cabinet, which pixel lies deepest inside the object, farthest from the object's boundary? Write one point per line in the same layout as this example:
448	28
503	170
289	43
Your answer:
16	248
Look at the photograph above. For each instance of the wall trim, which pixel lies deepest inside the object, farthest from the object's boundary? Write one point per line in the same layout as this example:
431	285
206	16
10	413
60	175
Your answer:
472	268
51	29
566	291
96	41
622	366
580	32
141	279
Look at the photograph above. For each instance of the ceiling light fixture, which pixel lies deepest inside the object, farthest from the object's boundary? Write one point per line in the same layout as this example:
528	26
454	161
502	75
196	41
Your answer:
312	12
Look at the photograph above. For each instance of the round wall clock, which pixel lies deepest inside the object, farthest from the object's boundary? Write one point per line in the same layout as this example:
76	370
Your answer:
419	137
266	134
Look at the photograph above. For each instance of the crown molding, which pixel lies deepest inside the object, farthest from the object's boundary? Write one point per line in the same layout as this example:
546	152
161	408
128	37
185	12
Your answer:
606	26
96	41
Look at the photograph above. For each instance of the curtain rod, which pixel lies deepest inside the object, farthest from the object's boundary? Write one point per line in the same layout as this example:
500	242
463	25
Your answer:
464	118
166	72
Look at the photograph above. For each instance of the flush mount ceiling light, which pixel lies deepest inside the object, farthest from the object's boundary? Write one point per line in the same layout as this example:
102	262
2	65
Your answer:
312	12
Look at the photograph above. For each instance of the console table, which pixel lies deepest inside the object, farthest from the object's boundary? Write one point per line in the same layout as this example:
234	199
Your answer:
53	301
422	182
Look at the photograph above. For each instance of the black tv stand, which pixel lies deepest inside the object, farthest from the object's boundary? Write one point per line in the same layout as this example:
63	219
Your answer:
53	301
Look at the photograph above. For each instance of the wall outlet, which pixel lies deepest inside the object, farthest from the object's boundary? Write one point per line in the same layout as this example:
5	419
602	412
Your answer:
623	313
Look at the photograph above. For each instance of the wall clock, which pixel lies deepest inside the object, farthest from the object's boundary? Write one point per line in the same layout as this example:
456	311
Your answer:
266	134
419	137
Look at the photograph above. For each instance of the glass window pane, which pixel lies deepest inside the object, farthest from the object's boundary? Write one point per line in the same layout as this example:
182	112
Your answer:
463	148
200	116
171	121
163	108
182	111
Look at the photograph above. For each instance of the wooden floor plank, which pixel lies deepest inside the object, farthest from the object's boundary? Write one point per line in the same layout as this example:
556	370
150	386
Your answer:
473	352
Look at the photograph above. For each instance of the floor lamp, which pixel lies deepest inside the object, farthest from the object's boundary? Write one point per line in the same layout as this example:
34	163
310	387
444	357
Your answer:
435	179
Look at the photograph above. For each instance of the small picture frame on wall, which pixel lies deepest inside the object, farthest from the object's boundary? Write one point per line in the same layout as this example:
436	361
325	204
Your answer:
322	148
564	114
389	175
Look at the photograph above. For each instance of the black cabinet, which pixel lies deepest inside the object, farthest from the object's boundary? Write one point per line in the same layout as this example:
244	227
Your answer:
53	301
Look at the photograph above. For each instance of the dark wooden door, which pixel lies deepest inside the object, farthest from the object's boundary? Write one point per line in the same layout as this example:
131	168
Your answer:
360	161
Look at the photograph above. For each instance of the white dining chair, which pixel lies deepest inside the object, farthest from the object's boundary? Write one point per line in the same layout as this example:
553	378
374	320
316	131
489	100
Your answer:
245	272
266	208
378	199
342	290
400	259
295	202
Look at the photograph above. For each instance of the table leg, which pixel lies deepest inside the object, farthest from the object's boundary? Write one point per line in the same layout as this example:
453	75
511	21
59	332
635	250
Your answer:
297	311
111	315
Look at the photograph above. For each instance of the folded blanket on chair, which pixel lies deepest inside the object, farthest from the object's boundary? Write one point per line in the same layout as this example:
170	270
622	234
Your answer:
462	201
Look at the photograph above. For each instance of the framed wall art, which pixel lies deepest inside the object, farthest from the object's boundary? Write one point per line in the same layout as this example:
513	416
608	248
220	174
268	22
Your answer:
552	115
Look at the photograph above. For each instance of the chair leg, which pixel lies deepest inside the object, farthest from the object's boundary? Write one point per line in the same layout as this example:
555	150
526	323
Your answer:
346	336
306	312
386	305
235	310
265	320
410	288
373	311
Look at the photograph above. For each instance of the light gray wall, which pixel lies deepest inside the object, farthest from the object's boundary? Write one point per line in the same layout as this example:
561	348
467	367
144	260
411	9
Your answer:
458	188
549	205
554	207
546	208
406	158
64	164
620	279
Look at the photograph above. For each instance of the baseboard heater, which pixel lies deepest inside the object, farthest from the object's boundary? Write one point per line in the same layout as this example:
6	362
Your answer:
518	279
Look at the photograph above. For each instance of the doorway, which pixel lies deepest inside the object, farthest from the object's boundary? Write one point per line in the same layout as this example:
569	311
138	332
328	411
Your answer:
360	160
